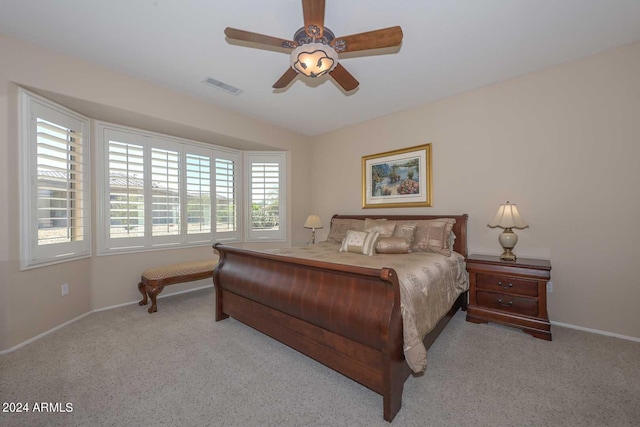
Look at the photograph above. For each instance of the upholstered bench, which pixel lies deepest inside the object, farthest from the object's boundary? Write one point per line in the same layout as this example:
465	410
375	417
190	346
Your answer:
153	280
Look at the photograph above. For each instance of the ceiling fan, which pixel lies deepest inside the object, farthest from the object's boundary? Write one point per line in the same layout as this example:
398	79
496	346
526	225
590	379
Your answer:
314	48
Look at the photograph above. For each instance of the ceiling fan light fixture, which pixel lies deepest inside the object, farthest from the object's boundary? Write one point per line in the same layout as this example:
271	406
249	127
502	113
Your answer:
314	59
314	48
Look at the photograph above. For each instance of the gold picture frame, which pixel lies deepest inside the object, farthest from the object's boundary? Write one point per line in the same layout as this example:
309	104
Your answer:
397	179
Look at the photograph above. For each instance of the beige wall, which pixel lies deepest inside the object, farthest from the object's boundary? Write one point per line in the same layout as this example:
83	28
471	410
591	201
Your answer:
563	144
30	301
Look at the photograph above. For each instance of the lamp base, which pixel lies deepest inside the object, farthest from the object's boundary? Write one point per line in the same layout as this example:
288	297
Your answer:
507	255
508	240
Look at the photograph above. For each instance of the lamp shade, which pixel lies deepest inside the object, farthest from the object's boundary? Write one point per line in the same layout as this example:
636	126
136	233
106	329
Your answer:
508	217
313	221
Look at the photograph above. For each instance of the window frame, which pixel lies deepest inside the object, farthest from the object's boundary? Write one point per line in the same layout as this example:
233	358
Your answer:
32	254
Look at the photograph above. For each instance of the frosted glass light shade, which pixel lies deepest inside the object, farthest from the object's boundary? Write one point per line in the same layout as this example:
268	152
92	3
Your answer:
314	59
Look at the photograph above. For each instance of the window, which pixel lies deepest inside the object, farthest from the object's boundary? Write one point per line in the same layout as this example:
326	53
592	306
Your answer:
159	191
153	190
266	218
54	183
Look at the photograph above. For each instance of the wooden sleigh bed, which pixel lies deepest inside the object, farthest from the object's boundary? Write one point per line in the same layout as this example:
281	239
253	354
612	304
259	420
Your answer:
343	316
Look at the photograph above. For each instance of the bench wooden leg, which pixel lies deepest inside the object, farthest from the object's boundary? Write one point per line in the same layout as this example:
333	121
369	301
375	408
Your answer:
153	293
143	290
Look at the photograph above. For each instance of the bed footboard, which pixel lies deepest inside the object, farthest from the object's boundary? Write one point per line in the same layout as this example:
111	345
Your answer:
345	317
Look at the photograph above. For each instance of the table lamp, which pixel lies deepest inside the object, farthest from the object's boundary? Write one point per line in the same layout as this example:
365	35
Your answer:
313	222
507	218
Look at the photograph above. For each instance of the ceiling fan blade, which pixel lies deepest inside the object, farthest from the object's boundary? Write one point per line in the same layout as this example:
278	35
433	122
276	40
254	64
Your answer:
286	78
313	11
248	36
344	78
376	39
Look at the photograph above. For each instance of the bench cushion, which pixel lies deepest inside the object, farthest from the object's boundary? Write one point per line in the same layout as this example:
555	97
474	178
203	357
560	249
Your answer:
181	269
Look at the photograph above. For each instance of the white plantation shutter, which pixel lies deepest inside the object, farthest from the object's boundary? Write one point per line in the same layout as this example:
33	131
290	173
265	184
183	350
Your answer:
165	189
225	196
55	182
212	194
265	196
125	195
198	176
60	184
266	190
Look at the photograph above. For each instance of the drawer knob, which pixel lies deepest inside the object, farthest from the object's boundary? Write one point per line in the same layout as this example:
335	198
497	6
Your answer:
510	285
502	303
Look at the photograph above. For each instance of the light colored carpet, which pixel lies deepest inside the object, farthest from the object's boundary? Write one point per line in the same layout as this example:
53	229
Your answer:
125	367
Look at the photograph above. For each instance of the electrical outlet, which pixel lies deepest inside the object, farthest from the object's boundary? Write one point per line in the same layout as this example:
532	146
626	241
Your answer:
65	289
549	287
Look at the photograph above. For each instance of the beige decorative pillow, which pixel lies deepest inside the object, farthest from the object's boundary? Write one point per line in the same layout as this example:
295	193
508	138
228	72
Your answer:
393	245
405	230
360	242
340	226
382	226
433	236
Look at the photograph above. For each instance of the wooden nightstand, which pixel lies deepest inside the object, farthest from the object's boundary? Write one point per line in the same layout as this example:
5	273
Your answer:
512	293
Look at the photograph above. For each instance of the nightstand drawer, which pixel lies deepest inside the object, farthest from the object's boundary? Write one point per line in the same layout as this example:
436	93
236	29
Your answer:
510	303
507	284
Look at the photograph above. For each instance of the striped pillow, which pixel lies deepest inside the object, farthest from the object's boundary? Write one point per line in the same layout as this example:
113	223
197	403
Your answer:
433	236
360	242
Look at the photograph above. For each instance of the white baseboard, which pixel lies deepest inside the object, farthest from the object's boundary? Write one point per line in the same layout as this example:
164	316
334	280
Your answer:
68	322
159	297
596	331
44	334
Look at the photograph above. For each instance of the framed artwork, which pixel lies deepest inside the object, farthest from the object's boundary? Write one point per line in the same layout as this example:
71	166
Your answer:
397	179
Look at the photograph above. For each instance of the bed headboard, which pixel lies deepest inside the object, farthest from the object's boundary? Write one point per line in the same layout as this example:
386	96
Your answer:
459	228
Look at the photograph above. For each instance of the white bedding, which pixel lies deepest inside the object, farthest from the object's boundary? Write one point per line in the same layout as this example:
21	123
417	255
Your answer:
429	285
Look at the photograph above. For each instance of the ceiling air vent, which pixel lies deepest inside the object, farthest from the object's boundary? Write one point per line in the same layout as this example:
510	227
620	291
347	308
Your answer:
222	86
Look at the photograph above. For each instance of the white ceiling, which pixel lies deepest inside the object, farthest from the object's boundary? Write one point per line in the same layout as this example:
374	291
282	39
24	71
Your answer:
449	46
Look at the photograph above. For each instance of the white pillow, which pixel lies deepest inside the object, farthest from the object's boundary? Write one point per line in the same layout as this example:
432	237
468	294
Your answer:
360	242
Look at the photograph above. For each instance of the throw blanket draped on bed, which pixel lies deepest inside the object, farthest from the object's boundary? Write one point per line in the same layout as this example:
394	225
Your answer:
429	285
